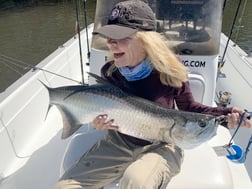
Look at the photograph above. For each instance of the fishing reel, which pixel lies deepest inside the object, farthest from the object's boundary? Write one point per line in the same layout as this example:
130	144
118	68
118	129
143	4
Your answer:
235	152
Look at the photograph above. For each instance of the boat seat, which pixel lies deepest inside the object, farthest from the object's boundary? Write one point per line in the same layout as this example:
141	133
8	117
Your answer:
197	85
78	145
201	168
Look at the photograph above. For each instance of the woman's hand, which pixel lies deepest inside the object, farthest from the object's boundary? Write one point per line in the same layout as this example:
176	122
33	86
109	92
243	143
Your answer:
101	122
234	118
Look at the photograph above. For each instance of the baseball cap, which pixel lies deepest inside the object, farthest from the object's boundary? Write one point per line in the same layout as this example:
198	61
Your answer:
126	18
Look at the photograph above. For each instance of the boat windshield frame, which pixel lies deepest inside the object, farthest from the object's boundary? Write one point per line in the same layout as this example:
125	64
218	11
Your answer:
190	27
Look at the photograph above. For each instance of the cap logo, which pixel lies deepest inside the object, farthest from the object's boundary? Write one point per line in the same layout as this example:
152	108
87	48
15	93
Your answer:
114	14
134	14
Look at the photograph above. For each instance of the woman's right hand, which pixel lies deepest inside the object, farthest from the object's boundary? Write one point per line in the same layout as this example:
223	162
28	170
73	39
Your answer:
101	122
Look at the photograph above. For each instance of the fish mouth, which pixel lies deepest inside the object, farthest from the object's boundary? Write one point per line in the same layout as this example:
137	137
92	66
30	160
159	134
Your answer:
202	132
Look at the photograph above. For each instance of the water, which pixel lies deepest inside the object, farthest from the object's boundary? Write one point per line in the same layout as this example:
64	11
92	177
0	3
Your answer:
31	33
242	34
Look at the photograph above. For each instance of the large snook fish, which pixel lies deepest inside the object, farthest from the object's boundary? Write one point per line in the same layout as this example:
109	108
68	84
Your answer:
135	116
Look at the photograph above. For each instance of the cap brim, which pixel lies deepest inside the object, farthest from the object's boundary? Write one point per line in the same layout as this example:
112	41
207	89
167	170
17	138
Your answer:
115	31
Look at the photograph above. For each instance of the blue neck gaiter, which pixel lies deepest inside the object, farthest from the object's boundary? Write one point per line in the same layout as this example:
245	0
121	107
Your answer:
140	71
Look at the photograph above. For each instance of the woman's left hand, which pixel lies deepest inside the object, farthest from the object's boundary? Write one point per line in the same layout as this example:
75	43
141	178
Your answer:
234	119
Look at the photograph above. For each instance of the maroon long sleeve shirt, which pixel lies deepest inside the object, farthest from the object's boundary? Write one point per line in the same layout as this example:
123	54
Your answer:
152	89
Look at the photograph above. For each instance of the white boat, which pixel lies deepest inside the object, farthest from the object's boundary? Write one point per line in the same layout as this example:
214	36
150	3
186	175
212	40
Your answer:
33	155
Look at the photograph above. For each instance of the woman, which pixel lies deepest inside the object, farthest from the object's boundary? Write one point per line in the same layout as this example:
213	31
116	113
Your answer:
143	65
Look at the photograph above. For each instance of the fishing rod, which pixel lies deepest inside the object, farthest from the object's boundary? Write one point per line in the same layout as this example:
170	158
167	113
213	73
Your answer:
240	22
230	33
86	27
79	37
8	61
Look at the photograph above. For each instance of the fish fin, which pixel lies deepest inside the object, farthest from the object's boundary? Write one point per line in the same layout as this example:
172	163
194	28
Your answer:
43	84
70	123
48	89
98	79
48	109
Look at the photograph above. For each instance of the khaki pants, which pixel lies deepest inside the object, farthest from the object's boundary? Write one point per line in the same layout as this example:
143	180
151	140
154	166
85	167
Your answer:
148	167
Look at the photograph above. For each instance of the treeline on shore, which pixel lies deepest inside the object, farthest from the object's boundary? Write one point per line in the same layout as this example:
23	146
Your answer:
8	4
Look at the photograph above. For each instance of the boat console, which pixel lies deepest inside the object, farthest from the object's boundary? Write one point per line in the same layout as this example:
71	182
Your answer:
191	28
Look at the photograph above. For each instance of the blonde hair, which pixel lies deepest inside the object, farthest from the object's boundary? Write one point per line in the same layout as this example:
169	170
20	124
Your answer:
172	71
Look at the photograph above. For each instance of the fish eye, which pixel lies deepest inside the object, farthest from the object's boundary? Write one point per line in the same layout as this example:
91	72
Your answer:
202	123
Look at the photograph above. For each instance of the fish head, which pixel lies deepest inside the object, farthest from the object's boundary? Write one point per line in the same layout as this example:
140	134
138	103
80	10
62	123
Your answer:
193	132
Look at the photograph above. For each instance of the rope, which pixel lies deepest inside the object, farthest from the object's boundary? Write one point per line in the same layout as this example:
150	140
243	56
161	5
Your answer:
248	145
10	62
11	68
